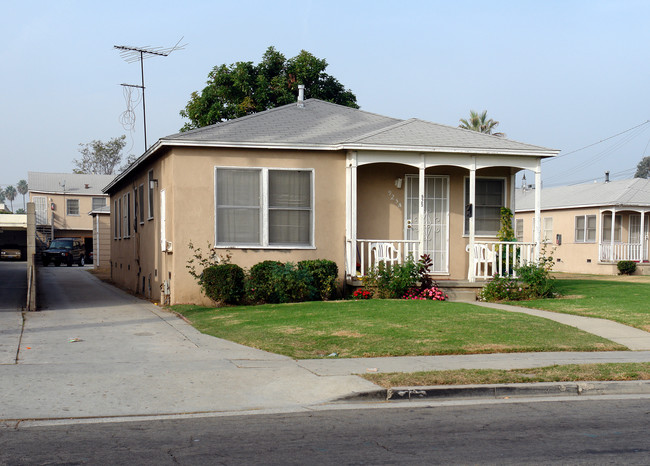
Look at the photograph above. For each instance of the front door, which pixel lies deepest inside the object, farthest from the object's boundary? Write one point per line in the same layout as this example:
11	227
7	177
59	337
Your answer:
436	218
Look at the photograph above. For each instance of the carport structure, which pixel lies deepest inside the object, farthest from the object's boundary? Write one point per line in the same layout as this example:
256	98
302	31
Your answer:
13	233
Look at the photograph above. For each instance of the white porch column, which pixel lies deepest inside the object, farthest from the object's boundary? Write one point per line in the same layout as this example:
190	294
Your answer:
472	201
351	213
613	229
513	179
538	209
421	225
642	237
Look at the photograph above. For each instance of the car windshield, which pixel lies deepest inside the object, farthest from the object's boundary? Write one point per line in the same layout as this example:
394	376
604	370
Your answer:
59	244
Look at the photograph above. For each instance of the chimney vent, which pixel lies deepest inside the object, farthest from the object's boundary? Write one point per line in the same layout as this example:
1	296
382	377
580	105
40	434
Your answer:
607	176
301	95
87	186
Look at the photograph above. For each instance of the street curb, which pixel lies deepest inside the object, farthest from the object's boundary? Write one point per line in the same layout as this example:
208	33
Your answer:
502	391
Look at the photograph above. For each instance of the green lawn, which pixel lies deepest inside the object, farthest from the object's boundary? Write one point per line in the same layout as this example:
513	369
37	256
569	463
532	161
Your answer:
567	373
621	299
387	328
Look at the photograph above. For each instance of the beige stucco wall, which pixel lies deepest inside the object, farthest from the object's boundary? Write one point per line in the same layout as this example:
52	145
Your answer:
572	256
102	240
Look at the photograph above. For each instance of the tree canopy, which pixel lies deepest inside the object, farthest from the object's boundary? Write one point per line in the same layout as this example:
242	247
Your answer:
22	189
10	194
643	168
100	158
243	88
480	123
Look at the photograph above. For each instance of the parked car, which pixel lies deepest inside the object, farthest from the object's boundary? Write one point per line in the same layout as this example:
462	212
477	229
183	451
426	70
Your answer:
10	252
65	251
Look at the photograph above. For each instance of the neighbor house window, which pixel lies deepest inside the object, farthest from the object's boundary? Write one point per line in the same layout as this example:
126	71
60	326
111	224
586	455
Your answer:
490	197
72	206
119	216
150	186
141	203
607	228
547	229
264	207
116	223
126	212
98	202
519	229
585	228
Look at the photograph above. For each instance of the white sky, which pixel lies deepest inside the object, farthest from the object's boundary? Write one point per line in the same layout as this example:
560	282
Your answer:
560	74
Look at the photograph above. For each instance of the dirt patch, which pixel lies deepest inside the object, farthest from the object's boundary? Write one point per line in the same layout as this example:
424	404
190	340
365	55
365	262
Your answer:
291	330
493	348
347	333
572	296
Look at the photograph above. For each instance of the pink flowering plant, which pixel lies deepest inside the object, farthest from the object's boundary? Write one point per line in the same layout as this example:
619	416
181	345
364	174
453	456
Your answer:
433	294
362	293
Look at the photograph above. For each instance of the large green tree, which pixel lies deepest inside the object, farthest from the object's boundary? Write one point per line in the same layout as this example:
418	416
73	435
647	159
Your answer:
643	168
242	88
480	123
22	189
100	158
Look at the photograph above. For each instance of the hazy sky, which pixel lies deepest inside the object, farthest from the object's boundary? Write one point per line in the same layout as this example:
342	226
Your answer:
559	74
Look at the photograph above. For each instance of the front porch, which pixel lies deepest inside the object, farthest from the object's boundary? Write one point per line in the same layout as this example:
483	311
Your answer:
630	222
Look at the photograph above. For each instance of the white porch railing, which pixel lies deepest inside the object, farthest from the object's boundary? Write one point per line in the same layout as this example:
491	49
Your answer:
608	252
500	258
367	253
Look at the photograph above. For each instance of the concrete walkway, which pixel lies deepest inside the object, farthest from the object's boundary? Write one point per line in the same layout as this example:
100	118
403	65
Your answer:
95	351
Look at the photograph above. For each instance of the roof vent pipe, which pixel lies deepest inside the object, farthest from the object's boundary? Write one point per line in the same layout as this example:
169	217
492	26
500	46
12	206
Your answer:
301	95
607	177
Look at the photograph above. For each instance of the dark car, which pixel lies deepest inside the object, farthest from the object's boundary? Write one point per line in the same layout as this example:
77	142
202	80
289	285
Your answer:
65	251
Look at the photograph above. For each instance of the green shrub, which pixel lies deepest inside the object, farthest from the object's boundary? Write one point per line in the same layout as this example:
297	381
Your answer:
275	282
626	267
223	282
392	281
502	289
324	274
537	279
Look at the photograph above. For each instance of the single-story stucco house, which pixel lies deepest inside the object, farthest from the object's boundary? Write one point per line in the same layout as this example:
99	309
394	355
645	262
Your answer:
311	180
577	224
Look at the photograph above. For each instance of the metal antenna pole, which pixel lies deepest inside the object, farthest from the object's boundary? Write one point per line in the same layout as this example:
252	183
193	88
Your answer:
133	54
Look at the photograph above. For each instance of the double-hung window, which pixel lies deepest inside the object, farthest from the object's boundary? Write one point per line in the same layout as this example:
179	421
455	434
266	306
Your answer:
126	212
607	228
519	229
98	202
490	197
264	207
72	207
585	228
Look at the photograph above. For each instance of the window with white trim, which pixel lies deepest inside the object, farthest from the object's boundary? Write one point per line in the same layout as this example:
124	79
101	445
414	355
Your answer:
607	228
150	184
547	229
98	203
490	197
519	229
116	222
585	229
119	216
264	207
72	207
126	212
141	203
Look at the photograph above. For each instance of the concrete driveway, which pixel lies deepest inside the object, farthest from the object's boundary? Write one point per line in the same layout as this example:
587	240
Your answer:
95	351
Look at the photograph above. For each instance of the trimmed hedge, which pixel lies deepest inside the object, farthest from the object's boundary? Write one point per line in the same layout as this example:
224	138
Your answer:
324	274
223	282
626	267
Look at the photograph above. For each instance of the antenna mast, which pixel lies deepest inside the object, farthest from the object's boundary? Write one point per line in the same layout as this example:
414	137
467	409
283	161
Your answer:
132	55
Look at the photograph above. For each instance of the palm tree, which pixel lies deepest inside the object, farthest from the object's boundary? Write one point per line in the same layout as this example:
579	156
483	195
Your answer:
480	123
22	189
10	193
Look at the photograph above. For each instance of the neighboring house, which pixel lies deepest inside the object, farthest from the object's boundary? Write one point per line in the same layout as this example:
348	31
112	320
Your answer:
101	238
577	224
63	201
311	180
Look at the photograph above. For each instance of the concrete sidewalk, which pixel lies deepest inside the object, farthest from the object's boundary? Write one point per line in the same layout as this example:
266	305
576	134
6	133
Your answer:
95	351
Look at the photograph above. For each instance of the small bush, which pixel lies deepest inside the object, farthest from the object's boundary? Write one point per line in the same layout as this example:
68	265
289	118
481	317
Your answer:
362	293
537	279
324	274
626	267
275	282
434	293
392	281
223	282
502	289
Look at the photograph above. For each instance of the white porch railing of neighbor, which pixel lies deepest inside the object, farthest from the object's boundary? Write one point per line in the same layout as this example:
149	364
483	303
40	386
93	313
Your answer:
500	258
367	253
608	252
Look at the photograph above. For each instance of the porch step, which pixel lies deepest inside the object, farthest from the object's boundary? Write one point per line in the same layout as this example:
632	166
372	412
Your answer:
460	291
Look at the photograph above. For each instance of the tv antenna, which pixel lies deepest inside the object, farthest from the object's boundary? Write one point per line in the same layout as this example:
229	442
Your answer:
132	55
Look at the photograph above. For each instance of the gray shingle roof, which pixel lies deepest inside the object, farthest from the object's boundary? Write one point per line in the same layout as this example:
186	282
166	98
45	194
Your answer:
633	192
74	183
321	123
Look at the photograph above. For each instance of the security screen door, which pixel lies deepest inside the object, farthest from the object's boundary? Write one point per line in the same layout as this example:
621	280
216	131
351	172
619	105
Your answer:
436	218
